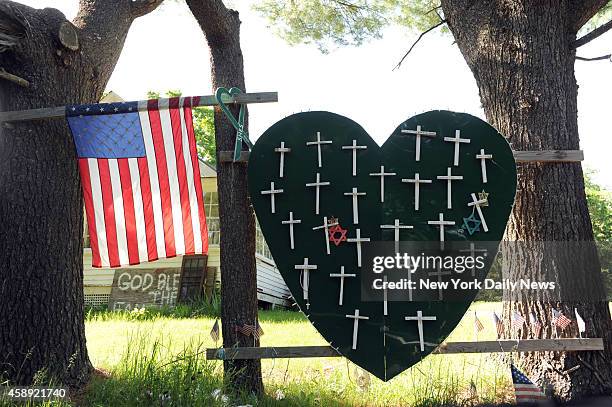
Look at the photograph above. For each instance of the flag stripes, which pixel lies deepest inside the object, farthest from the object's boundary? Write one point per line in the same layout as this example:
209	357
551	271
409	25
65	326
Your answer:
145	208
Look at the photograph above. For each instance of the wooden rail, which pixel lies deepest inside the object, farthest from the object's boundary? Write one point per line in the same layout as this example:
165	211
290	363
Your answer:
60	111
527	345
549	156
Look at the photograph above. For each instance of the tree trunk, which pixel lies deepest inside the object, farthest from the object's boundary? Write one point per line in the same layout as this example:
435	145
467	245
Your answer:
42	332
522	55
221	27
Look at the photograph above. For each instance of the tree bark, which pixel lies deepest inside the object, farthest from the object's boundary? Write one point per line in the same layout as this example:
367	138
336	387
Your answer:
522	56
221	26
42	328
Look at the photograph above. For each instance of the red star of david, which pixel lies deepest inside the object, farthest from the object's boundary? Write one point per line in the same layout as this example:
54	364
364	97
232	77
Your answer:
337	235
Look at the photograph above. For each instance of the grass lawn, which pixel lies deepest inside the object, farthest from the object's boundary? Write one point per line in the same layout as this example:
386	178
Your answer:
160	361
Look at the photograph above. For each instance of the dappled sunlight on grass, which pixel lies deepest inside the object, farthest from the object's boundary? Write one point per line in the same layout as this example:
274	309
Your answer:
154	351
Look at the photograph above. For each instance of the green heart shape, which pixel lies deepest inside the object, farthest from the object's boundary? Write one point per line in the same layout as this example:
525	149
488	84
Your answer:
386	344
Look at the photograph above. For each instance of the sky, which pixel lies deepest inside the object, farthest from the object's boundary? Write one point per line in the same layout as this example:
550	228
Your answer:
167	50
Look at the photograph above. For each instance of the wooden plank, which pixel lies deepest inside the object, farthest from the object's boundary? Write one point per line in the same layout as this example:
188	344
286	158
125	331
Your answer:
59	112
527	345
549	156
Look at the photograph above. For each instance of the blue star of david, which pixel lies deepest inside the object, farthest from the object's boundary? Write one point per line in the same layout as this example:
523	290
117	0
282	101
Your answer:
471	224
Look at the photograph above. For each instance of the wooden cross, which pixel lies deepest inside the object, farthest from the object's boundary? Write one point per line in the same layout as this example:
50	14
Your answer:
417	181
290	222
382	174
483	163
325	226
439	273
418	133
318	144
282	150
385	307
420	318
397	226
342	276
355	196
457	140
475	202
272	192
305	268
441	223
354	147
356	317
449	177
317	184
358	239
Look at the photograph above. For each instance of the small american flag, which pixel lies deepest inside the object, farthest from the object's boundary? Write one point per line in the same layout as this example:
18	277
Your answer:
536	326
499	325
214	332
260	330
141	180
478	326
517	320
524	389
560	320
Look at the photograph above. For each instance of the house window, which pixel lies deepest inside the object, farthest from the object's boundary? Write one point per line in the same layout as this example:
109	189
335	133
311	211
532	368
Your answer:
211	206
261	247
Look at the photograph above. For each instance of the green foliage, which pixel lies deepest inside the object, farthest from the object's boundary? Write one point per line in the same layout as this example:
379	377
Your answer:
327	22
203	127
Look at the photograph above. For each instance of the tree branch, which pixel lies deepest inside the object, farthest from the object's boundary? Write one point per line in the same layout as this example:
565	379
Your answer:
442	22
583	10
143	7
590	36
601	58
13	78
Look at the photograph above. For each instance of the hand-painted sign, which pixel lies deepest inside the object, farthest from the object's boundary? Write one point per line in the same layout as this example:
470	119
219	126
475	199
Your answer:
144	288
325	194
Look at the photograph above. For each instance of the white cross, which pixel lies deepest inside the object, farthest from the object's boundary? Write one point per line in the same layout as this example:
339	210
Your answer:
317	184
282	150
475	202
417	181
439	273
420	318
483	163
318	144
418	133
290	222
441	223
354	147
385	308
449	177
325	226
356	317
382	174
342	276
355	196
472	251
397	226
305	268
272	192
358	239
457	140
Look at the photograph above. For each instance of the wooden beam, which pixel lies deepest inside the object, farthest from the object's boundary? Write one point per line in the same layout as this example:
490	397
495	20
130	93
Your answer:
527	345
60	111
549	156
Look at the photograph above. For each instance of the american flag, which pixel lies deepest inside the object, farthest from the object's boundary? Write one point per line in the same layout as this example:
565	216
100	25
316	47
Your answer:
141	180
477	324
524	389
214	332
517	320
560	320
499	325
536	326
